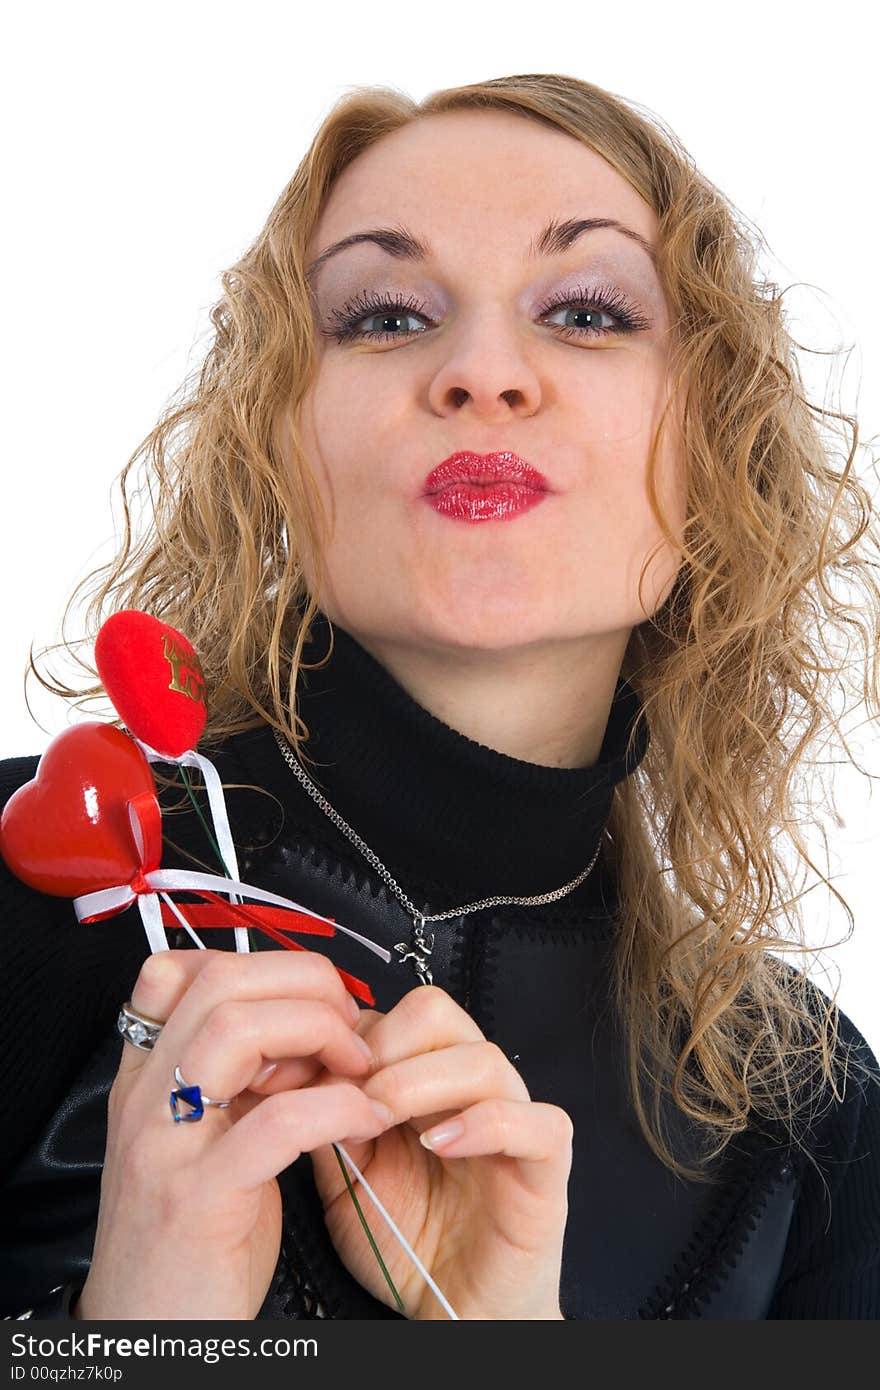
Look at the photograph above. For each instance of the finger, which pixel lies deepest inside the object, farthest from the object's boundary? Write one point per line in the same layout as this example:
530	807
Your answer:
448	1079
232	1043
257	975
424	1019
278	1129
162	982
538	1135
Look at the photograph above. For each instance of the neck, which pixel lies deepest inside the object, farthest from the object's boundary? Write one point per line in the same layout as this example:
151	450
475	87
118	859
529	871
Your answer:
438	807
546	703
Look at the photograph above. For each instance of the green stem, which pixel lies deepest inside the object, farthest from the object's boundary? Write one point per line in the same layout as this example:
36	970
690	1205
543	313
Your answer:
367	1229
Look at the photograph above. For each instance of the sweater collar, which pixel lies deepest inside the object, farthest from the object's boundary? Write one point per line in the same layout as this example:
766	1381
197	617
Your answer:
435	806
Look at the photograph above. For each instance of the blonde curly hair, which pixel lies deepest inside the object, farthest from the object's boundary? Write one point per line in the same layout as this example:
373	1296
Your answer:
735	670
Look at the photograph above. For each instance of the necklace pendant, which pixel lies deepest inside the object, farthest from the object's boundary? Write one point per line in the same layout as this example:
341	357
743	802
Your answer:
420	952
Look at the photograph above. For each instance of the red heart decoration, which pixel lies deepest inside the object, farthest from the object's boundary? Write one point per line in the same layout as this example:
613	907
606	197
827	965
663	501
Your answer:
154	678
67	831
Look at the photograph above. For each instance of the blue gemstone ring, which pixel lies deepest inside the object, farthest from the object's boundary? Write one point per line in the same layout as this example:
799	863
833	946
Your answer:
191	1097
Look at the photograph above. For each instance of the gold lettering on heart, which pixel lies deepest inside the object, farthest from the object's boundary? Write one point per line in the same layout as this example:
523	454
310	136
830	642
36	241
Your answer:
186	673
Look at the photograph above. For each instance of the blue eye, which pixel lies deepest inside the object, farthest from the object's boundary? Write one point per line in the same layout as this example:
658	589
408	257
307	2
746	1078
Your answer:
607	301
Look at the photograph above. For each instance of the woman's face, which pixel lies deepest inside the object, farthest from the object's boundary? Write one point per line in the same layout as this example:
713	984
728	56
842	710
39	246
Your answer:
482	366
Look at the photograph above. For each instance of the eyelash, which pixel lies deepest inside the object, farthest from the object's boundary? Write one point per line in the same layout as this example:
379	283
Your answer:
604	297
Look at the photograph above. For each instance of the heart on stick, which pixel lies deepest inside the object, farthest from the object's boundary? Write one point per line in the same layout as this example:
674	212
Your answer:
154	678
67	831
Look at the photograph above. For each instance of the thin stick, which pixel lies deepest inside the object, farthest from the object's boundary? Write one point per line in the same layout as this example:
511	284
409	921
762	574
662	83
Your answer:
399	1234
182	920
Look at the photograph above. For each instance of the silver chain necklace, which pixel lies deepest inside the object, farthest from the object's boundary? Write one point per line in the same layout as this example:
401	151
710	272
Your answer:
419	951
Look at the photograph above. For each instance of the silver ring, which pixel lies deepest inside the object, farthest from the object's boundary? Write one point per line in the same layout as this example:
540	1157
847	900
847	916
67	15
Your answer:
192	1097
140	1031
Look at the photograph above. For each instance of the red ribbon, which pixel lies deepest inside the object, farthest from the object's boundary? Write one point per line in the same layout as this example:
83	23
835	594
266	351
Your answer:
145	819
274	921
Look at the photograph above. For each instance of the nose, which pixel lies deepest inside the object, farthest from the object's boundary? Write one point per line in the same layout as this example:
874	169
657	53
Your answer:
488	370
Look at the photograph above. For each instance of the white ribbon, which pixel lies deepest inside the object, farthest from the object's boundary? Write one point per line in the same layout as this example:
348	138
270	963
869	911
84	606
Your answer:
219	818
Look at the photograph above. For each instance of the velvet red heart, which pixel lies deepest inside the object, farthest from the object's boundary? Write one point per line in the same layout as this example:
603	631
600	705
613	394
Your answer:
67	831
152	674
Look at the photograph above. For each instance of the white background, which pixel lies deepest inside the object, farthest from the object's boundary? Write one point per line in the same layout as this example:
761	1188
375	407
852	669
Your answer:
145	144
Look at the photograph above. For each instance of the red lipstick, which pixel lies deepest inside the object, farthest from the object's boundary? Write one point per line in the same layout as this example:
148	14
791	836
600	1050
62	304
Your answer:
484	487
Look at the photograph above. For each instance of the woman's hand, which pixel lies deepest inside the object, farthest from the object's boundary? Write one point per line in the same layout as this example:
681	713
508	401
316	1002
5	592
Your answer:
189	1224
485	1213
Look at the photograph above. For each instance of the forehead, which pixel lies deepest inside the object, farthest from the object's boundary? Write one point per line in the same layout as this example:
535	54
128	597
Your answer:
459	173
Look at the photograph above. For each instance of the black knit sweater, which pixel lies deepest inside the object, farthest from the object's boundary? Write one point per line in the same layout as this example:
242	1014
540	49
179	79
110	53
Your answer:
454	822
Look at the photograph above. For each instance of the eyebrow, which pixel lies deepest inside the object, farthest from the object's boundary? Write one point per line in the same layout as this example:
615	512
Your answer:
553	240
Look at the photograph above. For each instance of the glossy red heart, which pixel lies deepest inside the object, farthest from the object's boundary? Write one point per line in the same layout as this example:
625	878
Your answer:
154	678
67	831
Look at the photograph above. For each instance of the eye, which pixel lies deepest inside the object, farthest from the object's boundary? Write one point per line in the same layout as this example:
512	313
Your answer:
345	322
587	303
591	304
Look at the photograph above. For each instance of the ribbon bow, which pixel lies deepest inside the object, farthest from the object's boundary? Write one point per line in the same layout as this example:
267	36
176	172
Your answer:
150	883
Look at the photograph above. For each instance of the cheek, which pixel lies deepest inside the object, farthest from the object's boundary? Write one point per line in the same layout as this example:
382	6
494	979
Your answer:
618	534
342	434
320	424
618	401
620	424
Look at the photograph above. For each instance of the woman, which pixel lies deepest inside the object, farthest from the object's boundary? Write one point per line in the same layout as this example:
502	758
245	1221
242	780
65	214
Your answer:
496	487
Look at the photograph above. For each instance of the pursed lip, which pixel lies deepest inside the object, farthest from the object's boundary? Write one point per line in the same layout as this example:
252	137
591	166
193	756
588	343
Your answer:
485	469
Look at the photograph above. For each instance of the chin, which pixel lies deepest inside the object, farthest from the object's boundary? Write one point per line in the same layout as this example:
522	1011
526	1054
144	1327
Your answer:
481	624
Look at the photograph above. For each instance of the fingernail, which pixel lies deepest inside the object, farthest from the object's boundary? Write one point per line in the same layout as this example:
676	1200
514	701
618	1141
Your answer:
353	1008
364	1047
264	1073
384	1118
442	1134
383	1114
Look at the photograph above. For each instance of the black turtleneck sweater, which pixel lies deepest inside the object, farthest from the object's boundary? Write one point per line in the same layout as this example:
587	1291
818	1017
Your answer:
454	822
